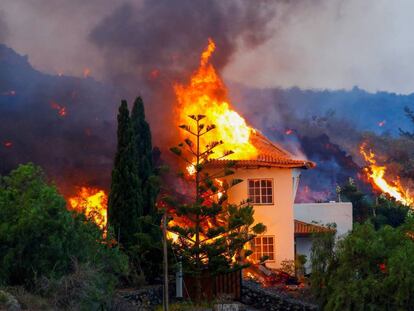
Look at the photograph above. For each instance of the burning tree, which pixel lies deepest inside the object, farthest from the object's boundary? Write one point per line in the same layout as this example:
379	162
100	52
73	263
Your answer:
207	232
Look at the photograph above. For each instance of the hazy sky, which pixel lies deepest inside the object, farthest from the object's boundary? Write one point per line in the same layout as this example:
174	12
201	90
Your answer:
313	44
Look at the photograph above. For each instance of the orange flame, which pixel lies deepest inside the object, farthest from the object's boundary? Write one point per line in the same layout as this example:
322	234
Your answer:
86	72
206	94
93	203
376	174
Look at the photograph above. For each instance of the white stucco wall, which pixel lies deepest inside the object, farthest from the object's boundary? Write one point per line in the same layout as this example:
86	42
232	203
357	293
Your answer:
339	213
278	217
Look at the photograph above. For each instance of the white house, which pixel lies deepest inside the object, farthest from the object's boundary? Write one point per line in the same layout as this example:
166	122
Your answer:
270	181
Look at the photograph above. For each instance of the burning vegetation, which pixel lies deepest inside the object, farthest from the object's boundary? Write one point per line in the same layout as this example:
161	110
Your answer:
377	176
93	203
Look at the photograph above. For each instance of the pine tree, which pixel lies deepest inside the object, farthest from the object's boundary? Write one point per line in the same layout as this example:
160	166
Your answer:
210	232
125	203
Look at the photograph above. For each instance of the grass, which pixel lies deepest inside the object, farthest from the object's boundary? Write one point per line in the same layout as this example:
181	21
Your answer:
28	301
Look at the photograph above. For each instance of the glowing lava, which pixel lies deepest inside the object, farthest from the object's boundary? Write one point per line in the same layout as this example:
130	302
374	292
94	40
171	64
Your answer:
60	109
382	123
93	203
376	174
8	144
206	94
86	72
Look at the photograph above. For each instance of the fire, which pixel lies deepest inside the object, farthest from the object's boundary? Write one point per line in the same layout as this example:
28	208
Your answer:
376	174
206	94
154	74
86	72
60	109
93	203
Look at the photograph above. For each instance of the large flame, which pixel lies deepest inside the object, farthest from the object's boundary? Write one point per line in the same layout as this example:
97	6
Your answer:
93	203
376	174
206	94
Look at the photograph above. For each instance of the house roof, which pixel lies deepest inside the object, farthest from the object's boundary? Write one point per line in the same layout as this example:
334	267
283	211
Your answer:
269	154
304	228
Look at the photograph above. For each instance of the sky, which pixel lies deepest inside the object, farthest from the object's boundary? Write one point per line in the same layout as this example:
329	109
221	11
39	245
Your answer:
320	44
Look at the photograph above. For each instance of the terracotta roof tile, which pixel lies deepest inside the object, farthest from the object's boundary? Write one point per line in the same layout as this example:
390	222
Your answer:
269	155
304	228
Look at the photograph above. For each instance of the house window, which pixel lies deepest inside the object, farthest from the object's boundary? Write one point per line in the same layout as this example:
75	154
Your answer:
263	246
261	191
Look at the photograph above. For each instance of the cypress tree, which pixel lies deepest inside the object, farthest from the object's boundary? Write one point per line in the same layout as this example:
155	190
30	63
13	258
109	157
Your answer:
125	203
143	144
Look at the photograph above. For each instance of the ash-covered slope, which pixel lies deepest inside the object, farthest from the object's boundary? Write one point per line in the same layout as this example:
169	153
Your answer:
65	124
325	126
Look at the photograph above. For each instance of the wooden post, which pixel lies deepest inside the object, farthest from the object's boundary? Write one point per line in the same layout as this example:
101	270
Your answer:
164	242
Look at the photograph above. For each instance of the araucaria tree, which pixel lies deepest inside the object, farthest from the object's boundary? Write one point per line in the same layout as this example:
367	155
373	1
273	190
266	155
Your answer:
210	233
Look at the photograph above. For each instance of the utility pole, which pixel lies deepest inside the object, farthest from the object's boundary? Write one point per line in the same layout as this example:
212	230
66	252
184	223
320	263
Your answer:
164	244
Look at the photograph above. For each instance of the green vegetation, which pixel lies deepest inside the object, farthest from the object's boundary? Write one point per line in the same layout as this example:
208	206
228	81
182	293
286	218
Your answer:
42	243
381	211
368	270
372	267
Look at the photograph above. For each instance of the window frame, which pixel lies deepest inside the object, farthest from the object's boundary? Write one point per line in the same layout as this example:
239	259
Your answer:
272	187
253	247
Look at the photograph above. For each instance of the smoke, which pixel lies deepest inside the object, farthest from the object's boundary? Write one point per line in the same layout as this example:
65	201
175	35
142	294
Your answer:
68	125
143	47
4	30
335	44
148	46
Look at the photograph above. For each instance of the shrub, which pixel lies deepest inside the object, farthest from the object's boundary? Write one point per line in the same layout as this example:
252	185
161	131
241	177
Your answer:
369	269
40	238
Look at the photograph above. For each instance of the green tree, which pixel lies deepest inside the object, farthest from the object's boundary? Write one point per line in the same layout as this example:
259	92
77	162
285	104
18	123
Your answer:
143	143
125	203
210	232
390	212
384	210
146	252
410	115
368	270
361	207
40	238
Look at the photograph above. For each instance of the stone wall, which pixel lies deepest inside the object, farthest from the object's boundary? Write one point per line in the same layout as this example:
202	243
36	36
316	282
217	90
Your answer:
143	299
258	297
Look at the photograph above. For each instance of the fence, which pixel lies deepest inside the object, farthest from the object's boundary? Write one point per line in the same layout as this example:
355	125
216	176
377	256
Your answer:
228	284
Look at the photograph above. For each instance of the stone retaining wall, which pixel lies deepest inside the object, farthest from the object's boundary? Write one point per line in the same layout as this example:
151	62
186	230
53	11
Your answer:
265	299
143	299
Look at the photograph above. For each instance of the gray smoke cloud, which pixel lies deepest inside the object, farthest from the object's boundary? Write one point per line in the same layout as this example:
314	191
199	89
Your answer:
4	30
148	46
